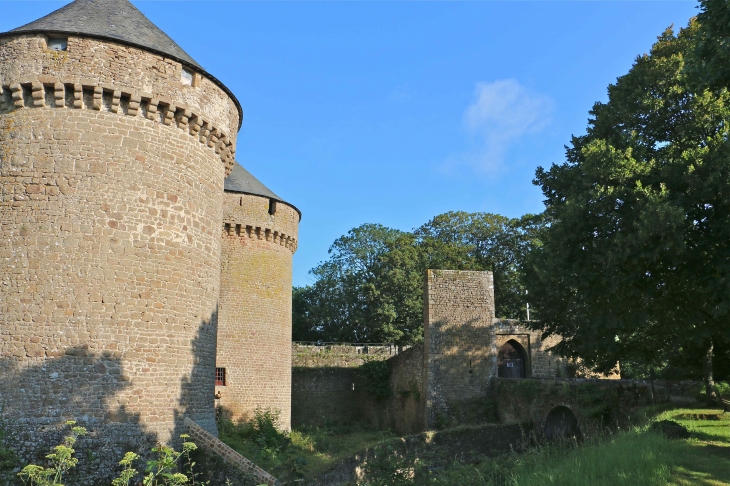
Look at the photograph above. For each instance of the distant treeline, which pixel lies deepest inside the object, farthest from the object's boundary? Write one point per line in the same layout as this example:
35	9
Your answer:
371	287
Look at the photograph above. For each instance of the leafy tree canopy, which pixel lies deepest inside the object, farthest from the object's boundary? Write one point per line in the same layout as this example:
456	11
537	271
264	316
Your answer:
711	62
635	260
371	287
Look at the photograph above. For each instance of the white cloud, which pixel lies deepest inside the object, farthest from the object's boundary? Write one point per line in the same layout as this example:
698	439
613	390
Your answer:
502	113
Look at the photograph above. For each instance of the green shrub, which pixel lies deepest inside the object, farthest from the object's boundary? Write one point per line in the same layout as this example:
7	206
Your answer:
164	470
62	460
374	378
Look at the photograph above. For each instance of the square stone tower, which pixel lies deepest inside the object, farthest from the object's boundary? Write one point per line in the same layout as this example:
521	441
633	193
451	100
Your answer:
458	315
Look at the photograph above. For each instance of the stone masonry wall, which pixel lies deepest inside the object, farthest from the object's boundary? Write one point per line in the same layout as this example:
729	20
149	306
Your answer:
254	334
404	409
323	382
109	238
596	403
326	395
124	80
326	386
458	315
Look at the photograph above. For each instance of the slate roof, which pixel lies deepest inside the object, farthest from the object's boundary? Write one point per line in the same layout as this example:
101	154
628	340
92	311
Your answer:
116	20
241	180
113	19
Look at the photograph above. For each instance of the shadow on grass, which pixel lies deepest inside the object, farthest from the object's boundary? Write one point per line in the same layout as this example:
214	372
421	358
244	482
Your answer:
702	464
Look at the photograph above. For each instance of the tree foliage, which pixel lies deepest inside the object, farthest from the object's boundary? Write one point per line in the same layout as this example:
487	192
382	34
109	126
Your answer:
371	287
634	263
711	62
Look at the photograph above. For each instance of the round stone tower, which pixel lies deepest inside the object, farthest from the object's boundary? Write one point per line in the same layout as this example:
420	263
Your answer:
114	145
254	334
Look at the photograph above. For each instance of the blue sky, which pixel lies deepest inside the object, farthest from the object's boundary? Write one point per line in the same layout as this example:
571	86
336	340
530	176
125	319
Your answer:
394	112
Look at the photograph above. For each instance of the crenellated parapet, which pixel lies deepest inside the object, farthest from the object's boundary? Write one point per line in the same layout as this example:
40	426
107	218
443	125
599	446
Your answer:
50	93
259	233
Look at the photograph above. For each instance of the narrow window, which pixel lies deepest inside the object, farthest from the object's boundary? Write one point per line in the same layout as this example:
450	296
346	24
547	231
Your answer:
227	228
187	77
57	44
220	377
272	206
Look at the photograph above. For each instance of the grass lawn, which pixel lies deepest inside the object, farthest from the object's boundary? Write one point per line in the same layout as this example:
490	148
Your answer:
637	457
706	459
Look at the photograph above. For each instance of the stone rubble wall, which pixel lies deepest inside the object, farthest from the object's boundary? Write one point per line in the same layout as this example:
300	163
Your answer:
340	355
443	381
326	387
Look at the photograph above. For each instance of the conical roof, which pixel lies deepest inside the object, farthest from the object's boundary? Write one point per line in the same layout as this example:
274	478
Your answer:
241	180
113	19
119	21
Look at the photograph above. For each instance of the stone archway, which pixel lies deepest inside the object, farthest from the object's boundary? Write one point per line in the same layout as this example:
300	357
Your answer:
560	424
512	360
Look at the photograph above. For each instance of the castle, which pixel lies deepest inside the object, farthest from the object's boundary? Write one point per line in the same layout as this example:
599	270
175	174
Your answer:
146	275
144	271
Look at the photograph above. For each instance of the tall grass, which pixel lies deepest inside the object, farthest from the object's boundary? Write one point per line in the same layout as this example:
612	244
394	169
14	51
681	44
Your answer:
635	457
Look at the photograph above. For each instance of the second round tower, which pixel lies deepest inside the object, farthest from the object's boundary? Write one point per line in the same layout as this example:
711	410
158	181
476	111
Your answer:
254	333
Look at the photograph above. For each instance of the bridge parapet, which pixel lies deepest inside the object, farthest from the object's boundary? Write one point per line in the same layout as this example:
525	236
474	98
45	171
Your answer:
595	403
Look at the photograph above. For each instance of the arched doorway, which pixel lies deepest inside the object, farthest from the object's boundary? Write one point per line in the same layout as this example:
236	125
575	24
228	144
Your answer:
512	360
561	423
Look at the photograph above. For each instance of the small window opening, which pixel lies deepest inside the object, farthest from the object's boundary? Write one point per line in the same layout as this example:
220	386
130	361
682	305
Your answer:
227	228
240	202
220	377
238	230
187	77
272	206
57	44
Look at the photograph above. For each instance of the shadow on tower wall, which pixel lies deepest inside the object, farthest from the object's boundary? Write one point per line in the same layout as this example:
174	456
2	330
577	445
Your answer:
461	360
96	389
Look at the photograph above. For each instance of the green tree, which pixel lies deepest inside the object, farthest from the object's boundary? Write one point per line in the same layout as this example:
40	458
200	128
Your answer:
711	61
371	287
484	241
344	303
634	263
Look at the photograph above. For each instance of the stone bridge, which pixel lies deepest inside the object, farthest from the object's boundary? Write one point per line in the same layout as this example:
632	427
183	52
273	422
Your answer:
568	407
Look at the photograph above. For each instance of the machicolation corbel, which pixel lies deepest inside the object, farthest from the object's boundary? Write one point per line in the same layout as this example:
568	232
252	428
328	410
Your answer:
38	94
16	91
134	102
49	92
59	95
